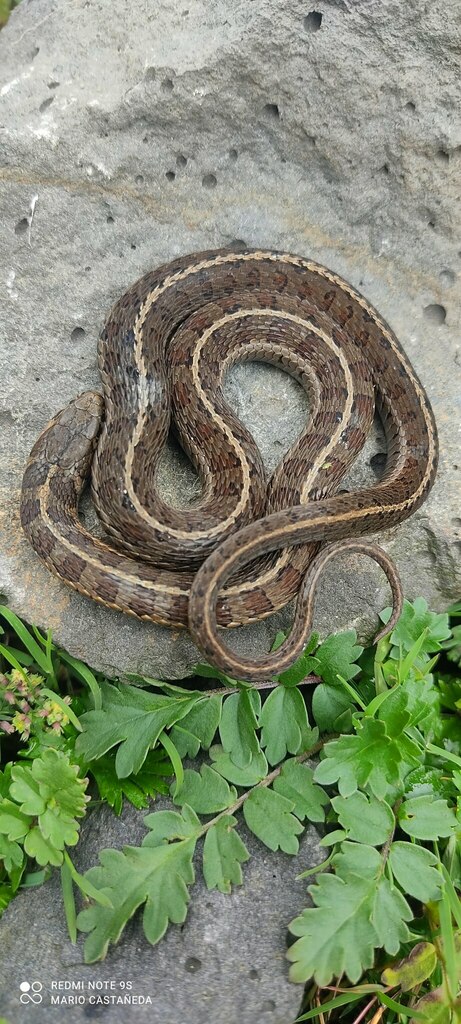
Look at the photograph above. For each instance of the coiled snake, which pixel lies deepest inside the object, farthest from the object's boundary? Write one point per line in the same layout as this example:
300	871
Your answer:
250	545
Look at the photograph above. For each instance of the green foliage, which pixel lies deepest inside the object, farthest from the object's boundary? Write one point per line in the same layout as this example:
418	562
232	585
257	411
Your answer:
356	910
285	727
131	719
223	853
371	757
40	814
137	789
6	7
338	656
157	877
385	914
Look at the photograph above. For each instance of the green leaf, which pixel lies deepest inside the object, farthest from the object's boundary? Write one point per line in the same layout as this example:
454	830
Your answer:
268	815
60	829
205	671
155	876
399	1008
425	818
435	1009
284	723
336	936
83	672
296	783
175	759
133	718
249	776
40	658
338	656
85	885
369	758
13	823
333	838
10	853
414	619
389	916
206	792
365	818
238	726
328	704
25	789
415	870
58	782
198	727
223	853
43	850
166	826
417	700
7	894
356	910
69	902
303	666
149	781
49	790
330	1004
413	969
353	860
423	780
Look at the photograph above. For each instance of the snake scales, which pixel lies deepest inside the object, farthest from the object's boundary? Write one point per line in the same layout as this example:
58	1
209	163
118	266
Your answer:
251	544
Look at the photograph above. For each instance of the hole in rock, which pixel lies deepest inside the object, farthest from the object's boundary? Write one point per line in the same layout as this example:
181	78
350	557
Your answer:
312	22
53	85
170	175
442	156
77	334
378	463
447	278
181	160
209	181
193	964
139	179
167	85
21	227
410	106
46	103
271	111
435	313
233	154
110	219
253	974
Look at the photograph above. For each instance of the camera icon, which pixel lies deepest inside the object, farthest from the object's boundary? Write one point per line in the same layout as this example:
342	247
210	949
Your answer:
31	992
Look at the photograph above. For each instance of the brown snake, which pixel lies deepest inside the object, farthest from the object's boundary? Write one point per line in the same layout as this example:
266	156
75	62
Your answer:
250	545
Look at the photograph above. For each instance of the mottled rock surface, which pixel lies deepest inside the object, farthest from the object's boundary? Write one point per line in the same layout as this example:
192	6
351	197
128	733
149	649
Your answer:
130	135
226	965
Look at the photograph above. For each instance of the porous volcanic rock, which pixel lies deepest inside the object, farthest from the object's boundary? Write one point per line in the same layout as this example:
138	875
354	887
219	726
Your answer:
130	135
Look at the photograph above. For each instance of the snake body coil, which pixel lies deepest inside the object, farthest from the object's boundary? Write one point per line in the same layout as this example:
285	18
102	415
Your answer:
251	544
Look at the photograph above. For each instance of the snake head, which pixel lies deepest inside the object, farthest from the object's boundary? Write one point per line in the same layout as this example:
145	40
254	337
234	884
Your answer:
70	439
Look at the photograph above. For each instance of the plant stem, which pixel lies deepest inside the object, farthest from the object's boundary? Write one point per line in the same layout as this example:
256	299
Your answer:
267	781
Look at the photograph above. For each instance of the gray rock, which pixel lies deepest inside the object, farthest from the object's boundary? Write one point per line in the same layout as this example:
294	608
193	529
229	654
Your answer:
132	135
226	965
